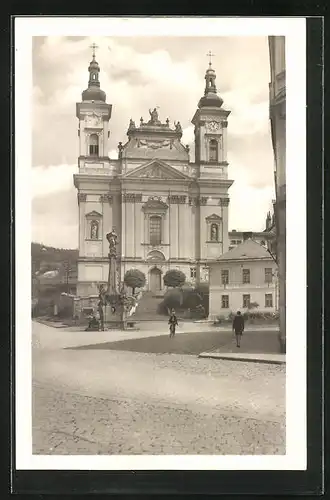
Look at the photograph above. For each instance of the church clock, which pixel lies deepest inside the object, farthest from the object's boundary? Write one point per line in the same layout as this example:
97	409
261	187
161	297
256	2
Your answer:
213	126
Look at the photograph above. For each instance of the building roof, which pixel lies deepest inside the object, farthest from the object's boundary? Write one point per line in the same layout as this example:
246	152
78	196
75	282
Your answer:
249	249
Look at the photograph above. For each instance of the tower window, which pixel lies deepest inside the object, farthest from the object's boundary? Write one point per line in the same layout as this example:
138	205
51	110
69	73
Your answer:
155	230
94	145
213	147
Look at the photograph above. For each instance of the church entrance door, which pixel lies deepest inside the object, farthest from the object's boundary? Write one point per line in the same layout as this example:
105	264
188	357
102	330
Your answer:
155	280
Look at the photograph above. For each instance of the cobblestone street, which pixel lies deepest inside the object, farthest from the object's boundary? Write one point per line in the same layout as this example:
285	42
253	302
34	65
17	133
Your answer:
93	401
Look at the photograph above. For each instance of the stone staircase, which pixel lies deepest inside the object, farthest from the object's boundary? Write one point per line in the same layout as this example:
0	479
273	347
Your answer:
147	308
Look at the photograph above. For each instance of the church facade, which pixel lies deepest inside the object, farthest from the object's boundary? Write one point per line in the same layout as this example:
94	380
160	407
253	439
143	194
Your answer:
168	212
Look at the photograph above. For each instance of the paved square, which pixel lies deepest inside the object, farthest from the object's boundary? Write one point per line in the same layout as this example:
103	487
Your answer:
122	401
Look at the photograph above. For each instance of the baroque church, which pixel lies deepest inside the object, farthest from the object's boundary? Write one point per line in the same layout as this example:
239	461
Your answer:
168	212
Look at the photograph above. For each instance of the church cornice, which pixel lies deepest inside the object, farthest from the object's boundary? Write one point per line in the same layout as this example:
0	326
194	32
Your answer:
213	163
83	108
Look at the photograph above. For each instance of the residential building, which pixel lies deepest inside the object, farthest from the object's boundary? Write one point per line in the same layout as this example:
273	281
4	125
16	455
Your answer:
244	275
277	114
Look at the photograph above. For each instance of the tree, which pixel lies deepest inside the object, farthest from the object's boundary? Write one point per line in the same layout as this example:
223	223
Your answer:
134	278
174	278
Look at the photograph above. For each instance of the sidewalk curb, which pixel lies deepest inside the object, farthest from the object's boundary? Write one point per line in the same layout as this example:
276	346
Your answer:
50	324
280	360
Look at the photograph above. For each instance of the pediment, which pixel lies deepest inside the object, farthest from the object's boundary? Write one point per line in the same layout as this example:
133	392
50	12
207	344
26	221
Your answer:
94	214
155	170
213	217
155	203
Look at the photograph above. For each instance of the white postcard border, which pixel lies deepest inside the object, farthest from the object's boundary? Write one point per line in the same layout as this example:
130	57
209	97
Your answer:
294	31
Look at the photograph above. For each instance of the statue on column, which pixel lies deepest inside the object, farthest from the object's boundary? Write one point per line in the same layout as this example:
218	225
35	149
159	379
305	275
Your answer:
112	239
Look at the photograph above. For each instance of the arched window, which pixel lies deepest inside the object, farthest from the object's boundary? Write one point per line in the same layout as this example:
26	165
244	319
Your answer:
155	230
213	153
214	232
94	145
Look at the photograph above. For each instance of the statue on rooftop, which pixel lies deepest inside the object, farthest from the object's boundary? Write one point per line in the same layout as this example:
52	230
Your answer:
153	117
131	124
178	127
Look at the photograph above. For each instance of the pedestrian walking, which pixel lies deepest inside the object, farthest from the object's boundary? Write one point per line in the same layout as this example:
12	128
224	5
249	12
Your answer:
101	314
238	327
173	322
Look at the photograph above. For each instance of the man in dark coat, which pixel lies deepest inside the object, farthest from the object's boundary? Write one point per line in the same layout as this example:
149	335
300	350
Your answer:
173	322
238	327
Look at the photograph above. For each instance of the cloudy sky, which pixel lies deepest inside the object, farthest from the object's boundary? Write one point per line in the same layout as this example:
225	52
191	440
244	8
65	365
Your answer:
137	74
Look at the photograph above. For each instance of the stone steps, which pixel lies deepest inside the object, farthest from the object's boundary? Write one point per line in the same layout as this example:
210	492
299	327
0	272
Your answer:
147	308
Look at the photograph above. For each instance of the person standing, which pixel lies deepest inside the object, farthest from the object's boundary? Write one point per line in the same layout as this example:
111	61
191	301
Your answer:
173	322
101	314
238	327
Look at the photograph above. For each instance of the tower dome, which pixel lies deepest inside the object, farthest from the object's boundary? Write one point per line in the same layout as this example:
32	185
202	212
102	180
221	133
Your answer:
93	92
210	97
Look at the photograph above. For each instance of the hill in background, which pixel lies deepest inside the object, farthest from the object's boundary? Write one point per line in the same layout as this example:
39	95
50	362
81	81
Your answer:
46	258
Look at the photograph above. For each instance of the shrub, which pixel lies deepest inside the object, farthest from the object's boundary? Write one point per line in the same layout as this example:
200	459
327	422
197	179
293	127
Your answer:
174	278
173	299
134	278
191	299
203	288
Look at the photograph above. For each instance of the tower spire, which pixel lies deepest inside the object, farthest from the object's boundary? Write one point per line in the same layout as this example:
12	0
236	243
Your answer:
210	92
210	55
210	77
93	47
93	92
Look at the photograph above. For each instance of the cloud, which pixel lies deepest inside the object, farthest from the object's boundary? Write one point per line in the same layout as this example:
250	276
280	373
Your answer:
55	218
53	179
137	74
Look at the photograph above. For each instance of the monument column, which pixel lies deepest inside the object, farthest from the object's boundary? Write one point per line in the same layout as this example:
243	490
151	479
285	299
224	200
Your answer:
106	200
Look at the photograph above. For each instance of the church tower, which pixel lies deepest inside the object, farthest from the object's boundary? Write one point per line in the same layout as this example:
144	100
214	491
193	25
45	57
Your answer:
210	121
93	114
95	209
211	213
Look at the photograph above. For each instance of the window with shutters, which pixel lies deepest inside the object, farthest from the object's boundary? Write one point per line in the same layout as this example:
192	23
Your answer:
246	275
225	301
268	300
246	300
225	276
268	275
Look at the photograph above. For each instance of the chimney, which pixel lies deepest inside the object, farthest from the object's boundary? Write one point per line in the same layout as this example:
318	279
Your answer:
247	235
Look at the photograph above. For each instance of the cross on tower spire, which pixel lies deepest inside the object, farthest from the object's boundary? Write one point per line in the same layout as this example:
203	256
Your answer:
93	47
210	55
